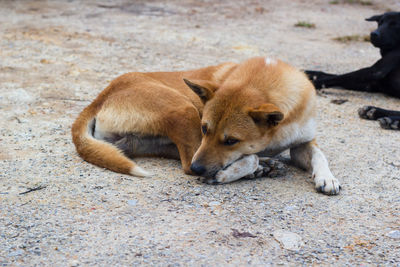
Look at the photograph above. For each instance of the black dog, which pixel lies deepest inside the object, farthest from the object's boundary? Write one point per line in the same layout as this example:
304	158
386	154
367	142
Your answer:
383	76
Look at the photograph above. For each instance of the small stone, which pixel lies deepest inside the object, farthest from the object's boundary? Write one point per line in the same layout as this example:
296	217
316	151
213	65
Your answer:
288	240
214	203
290	208
74	263
253	221
394	234
132	202
19	95
18	252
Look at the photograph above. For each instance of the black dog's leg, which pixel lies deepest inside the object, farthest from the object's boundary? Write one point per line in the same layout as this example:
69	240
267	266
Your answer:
388	119
366	79
360	80
318	75
374	113
392	122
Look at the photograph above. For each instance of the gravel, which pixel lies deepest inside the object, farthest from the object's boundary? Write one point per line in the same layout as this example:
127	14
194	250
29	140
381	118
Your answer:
56	56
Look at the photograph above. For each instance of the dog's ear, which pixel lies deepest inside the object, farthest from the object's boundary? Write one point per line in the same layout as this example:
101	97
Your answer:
374	18
204	89
266	114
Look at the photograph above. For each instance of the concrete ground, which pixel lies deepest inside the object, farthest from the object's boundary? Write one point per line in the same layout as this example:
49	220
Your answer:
56	56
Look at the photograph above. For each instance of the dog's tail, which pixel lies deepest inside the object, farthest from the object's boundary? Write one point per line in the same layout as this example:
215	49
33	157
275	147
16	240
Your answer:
99	152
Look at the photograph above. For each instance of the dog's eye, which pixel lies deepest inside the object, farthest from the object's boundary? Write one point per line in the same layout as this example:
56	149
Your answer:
204	129
230	141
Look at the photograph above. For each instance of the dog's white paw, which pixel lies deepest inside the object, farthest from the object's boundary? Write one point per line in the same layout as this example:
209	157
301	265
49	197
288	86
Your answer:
238	169
327	184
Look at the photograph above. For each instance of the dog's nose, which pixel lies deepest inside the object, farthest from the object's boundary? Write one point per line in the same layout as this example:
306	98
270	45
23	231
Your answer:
374	35
197	168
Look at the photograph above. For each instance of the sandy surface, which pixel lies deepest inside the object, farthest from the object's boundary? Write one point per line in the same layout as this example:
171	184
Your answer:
57	56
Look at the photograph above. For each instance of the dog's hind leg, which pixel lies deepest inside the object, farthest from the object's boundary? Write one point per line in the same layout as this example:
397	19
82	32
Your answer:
361	80
308	156
150	119
137	145
318	75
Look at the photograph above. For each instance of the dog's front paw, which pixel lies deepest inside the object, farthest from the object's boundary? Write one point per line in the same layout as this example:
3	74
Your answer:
327	184
270	168
368	113
238	169
392	123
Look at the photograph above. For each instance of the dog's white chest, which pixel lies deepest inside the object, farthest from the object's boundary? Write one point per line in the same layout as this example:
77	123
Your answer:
289	136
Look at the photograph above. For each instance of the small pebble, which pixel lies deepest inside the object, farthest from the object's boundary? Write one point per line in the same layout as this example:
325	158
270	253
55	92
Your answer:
18	252
74	263
253	221
214	203
288	240
132	202
289	208
394	234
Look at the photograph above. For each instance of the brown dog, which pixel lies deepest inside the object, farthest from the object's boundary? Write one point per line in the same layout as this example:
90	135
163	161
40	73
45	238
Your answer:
261	106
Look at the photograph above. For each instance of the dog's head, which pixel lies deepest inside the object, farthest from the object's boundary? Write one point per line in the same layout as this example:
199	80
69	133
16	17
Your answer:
387	35
236	121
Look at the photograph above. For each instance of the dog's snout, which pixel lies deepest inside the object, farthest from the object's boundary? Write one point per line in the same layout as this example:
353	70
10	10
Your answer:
197	168
374	35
